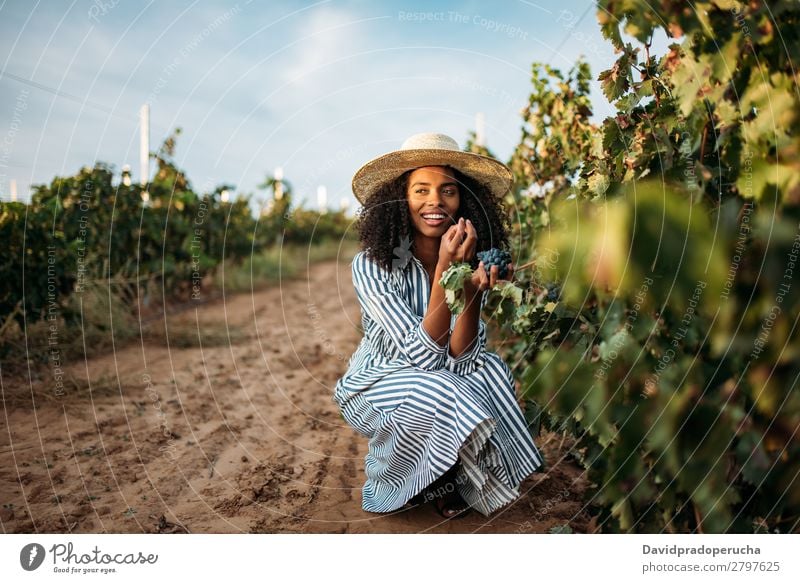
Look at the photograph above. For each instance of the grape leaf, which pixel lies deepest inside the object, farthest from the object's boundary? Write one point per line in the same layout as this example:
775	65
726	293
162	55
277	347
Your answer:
507	289
452	281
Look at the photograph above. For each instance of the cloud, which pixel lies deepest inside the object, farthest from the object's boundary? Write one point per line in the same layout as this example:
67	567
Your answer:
326	34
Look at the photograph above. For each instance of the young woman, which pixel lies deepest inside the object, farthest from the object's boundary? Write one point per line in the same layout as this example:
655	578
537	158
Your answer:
439	409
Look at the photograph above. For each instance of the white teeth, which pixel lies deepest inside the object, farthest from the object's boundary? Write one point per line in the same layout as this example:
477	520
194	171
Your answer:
433	216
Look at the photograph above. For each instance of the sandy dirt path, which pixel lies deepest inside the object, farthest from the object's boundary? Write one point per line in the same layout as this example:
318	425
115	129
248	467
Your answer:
236	435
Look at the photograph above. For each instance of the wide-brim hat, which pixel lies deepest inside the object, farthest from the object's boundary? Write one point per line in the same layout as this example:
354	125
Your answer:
430	149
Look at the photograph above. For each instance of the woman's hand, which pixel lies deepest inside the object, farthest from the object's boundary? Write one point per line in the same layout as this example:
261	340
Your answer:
481	281
458	243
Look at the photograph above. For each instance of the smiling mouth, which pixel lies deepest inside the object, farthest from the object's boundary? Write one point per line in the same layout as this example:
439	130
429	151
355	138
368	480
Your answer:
434	219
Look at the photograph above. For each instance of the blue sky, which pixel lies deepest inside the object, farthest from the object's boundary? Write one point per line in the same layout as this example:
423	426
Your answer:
317	88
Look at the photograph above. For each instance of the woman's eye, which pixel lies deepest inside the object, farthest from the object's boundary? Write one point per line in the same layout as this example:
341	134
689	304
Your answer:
449	192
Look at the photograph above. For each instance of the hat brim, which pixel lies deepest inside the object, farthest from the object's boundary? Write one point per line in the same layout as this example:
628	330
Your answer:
376	173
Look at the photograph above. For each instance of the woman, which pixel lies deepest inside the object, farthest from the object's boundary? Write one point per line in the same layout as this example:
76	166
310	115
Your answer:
439	409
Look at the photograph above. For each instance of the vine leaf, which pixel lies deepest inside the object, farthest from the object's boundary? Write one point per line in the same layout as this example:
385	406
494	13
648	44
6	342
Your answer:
452	281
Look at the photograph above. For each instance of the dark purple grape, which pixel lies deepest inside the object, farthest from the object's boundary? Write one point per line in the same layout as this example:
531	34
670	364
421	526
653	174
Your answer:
497	257
553	291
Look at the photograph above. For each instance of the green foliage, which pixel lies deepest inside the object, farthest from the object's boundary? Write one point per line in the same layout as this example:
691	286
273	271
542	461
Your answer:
305	225
454	278
674	231
145	244
452	281
557	137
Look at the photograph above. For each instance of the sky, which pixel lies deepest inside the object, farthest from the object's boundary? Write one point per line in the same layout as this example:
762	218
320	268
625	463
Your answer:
316	88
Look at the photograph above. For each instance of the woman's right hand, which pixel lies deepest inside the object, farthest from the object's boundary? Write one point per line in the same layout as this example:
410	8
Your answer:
457	244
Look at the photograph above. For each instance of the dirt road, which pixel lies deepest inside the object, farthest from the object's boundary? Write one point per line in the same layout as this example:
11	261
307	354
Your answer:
235	433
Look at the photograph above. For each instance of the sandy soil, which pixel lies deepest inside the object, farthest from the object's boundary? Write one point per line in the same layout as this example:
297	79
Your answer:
235	435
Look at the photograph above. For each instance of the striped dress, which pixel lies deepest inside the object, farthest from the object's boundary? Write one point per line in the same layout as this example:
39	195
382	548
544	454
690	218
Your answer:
424	410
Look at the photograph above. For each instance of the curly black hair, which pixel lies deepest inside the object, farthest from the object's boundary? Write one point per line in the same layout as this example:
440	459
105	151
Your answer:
384	220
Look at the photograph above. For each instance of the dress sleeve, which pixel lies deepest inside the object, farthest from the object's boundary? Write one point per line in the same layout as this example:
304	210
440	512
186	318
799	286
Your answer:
390	311
473	357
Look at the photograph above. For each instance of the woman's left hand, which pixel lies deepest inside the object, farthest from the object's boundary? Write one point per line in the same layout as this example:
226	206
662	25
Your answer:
481	281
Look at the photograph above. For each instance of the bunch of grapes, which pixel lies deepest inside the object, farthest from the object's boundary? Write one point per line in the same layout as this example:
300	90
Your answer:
497	257
553	291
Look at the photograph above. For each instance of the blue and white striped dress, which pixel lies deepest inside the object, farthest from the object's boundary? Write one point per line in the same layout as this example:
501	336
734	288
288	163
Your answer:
422	409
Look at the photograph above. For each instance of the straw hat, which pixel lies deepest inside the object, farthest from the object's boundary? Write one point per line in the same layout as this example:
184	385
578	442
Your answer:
430	149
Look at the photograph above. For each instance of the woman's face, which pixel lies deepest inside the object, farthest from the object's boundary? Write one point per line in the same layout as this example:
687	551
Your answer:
433	199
